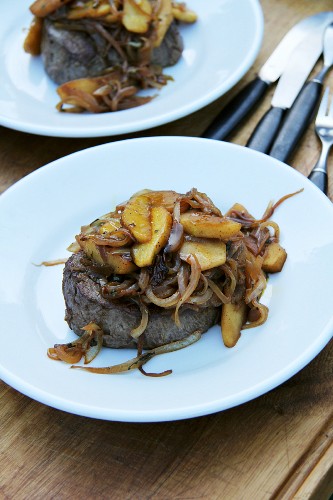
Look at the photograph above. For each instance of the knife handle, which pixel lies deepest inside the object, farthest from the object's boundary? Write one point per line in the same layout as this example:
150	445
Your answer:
236	110
266	130
296	121
319	178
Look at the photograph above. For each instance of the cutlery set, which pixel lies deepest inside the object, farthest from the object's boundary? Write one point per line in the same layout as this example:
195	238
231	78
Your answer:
295	99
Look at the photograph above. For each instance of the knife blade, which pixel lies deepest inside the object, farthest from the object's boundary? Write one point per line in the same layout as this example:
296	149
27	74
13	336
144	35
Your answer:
302	111
239	107
299	66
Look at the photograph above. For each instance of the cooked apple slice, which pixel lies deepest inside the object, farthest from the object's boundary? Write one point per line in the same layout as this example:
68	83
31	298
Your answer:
232	319
208	226
166	199
137	218
209	253
107	223
121	263
238	207
144	253
182	14
164	19
137	15
32	42
274	259
109	226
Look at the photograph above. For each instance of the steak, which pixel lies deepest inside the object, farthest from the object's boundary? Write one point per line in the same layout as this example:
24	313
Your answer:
69	54
85	303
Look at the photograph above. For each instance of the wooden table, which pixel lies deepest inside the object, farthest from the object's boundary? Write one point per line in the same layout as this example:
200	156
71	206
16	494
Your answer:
277	446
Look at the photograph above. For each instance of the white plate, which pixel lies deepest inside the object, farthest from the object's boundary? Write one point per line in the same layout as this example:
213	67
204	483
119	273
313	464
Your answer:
219	49
41	214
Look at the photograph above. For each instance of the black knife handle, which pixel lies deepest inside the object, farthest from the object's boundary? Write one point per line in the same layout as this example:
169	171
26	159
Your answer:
319	178
263	135
296	121
236	110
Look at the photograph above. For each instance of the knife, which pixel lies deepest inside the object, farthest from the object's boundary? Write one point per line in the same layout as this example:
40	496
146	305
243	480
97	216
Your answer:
301	113
242	103
299	66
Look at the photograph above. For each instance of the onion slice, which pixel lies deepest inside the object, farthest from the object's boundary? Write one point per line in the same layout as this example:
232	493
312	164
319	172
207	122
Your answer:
72	352
49	263
192	284
142	359
166	302
218	292
263	311
136	332
176	238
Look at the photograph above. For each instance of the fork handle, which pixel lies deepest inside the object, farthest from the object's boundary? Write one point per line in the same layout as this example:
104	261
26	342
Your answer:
319	178
318	174
296	121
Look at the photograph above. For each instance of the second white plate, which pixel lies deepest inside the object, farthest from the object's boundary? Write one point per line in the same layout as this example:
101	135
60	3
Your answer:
39	217
219	49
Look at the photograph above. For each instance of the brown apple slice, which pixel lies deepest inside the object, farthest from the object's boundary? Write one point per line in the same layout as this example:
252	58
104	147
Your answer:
164	19
166	199
233	318
137	15
161	222
120	262
274	259
209	226
209	253
136	217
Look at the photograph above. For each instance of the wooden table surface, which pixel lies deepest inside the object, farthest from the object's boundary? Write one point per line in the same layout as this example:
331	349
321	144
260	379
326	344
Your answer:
277	446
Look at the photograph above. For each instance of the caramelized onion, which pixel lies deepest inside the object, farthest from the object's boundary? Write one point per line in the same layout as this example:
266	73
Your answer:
206	203
182	278
74	247
149	374
205	284
253	268
175	239
72	352
256	240
200	299
192	284
263	314
142	359
136	332
257	289
125	289
274	225
230	270
91	350
166	302
175	263
218	292
50	263
119	238
271	208
143	280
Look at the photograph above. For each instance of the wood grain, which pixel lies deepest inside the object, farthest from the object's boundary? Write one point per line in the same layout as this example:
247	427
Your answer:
279	446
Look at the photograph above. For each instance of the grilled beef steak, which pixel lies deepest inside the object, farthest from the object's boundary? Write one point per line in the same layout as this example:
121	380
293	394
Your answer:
72	50
82	289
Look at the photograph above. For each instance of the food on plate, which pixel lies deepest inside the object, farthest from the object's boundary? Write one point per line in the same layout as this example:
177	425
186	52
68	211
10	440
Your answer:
161	269
102	52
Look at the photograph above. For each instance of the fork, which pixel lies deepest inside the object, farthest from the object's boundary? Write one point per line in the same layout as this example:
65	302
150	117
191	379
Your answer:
324	130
